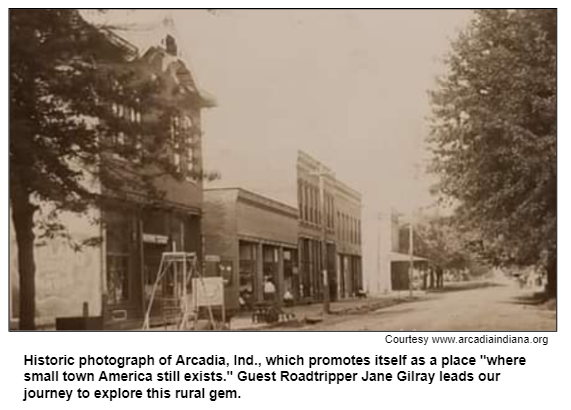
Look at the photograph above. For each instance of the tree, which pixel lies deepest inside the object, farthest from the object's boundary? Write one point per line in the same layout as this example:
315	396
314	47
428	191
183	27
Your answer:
493	134
67	80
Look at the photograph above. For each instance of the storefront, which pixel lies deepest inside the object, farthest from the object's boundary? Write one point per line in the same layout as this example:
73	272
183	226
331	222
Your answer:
259	237
135	240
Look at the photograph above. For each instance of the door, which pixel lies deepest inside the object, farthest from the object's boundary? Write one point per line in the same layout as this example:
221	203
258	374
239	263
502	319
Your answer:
152	259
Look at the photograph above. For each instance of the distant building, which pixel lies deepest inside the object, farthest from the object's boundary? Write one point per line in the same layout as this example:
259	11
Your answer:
392	254
244	229
349	241
338	223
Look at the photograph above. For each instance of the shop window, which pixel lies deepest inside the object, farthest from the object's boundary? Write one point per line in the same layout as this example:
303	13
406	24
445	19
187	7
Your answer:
119	231
247	267
117	278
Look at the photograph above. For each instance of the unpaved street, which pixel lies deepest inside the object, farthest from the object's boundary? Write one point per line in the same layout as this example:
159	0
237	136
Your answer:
488	308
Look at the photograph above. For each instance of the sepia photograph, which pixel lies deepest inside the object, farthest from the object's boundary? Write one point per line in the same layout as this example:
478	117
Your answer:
283	170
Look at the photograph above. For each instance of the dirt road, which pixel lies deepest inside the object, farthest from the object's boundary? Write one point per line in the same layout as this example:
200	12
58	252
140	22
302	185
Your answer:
486	308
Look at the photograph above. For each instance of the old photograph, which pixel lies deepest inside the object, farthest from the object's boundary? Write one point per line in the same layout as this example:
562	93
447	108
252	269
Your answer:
283	170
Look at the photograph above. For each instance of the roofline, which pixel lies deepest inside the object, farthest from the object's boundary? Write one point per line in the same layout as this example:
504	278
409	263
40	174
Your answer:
258	197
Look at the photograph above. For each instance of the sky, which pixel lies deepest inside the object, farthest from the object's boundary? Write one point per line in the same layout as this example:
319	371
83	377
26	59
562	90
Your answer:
347	86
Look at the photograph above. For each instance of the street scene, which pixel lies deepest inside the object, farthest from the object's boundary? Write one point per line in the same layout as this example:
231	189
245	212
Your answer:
295	170
489	308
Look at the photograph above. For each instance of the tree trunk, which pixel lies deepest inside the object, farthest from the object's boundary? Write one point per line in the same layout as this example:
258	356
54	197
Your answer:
23	218
551	287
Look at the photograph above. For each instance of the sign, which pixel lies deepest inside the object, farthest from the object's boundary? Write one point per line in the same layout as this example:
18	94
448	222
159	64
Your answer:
207	292
158	239
212	258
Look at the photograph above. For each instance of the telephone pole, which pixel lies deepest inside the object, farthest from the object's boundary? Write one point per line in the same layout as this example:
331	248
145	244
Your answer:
411	254
321	174
379	225
411	236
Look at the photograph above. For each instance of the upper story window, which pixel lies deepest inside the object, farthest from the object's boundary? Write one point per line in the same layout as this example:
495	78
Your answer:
128	135
184	141
190	145
300	199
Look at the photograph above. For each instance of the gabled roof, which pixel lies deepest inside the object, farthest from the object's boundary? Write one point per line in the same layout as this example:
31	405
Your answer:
151	47
177	69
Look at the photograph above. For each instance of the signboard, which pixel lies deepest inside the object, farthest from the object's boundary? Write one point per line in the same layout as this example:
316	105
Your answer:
212	258
158	239
207	292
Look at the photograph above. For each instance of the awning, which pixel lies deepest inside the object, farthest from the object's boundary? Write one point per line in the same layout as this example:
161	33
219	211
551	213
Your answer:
403	257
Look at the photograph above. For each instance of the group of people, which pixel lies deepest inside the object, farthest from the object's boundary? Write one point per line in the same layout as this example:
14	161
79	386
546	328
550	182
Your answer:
270	295
431	277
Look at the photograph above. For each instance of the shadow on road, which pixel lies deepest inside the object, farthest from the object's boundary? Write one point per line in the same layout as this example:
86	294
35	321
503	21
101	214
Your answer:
539	299
458	287
384	312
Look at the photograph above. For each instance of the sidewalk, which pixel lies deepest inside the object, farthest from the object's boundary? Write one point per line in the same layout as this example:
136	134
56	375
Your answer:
308	314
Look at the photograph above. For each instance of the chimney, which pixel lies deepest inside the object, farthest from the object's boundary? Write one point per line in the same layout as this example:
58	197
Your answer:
170	45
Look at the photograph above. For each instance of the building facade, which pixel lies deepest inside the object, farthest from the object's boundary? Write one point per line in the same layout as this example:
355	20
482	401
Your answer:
317	238
257	238
329	232
111	280
349	241
250	239
137	231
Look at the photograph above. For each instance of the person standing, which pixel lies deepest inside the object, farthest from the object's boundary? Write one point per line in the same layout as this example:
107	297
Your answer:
269	291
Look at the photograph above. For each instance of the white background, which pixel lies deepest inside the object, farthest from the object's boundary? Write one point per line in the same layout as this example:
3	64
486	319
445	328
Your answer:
542	382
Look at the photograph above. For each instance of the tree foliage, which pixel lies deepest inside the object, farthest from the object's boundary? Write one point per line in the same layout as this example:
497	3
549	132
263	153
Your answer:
494	132
69	148
438	239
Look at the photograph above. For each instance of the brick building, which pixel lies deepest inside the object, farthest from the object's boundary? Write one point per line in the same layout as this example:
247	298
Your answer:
252	239
337	222
349	240
251	233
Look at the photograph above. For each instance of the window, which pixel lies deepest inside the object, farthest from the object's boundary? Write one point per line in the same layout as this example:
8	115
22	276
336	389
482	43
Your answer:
309	203
119	231
130	116
190	142
306	202
184	139
315	205
176	160
331	213
300	199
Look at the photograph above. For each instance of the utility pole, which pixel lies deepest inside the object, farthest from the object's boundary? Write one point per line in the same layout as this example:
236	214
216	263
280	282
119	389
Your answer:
411	237
379	224
411	254
321	174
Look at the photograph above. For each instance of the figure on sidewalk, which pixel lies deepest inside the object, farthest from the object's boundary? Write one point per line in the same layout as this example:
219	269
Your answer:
269	290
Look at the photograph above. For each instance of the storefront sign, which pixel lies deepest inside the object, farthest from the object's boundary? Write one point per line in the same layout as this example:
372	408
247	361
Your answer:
158	239
212	258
